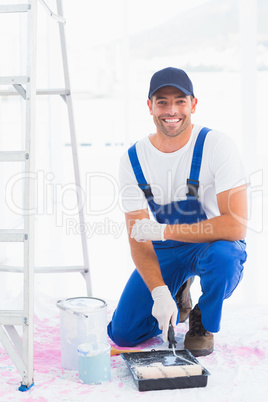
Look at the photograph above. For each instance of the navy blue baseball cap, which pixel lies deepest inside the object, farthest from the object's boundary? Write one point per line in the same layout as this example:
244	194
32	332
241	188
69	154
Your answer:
171	77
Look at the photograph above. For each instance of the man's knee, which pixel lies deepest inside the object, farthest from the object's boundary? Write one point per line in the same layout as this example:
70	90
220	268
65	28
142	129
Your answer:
122	336
224	261
226	253
134	332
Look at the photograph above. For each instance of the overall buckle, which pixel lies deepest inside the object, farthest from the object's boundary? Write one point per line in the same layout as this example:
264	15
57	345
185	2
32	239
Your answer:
146	188
193	186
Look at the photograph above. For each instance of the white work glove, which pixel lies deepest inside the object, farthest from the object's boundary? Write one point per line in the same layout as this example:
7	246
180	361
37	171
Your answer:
147	229
164	309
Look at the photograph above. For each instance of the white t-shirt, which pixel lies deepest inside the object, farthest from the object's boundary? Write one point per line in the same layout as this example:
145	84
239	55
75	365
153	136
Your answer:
167	173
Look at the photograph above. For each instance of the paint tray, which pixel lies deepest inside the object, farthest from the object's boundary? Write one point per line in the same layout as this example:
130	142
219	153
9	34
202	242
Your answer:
136	360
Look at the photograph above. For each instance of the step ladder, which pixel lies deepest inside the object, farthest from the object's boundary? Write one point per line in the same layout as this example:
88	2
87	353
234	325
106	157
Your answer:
21	350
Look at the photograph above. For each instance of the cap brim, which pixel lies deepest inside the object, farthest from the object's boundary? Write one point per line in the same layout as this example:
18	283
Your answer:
185	91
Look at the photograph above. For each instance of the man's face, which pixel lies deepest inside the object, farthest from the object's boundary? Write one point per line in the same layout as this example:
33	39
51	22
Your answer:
171	110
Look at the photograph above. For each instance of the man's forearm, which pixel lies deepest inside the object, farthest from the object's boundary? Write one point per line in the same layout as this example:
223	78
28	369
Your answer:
146	262
224	227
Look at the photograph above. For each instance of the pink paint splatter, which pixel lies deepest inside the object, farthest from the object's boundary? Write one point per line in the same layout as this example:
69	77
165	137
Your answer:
242	354
245	351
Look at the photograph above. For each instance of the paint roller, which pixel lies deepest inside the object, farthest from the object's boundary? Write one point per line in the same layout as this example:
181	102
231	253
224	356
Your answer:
159	370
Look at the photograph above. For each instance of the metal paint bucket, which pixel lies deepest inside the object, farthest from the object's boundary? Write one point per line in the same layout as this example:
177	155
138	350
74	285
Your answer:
94	363
82	320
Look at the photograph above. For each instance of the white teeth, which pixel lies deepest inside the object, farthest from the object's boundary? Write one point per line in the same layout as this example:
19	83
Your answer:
171	120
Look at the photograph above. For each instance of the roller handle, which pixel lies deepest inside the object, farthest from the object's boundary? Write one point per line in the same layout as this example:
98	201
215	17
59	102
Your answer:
171	336
115	352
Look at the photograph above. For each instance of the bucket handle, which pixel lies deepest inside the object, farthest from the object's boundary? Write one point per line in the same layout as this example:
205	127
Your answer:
58	304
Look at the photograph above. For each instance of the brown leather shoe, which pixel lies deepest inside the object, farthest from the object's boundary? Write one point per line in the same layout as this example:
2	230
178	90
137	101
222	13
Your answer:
183	299
199	341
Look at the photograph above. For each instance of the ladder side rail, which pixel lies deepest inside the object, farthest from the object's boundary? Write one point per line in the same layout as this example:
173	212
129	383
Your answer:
86	272
29	197
69	103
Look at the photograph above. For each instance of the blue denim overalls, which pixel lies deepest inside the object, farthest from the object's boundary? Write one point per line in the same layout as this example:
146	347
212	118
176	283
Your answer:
218	264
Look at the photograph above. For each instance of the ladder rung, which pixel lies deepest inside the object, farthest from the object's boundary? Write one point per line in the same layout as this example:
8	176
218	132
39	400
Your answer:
12	156
52	91
14	8
43	270
59	269
14	80
12	317
12	235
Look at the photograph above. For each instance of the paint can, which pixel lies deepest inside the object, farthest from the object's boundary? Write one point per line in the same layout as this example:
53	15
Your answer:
82	320
94	363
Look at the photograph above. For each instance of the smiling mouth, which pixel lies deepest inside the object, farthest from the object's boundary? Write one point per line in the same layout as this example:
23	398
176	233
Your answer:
172	121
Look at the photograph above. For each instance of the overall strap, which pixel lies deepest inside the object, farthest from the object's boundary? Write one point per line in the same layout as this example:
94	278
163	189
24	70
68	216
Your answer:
193	182
142	183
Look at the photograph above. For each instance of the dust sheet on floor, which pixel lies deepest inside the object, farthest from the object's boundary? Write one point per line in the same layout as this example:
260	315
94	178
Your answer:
238	366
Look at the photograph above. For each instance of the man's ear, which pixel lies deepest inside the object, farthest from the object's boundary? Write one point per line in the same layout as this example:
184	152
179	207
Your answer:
149	103
194	103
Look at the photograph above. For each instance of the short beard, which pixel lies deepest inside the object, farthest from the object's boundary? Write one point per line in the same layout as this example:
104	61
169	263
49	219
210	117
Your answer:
165	132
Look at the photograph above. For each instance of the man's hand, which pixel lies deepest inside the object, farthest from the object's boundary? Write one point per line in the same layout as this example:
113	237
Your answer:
164	309
147	229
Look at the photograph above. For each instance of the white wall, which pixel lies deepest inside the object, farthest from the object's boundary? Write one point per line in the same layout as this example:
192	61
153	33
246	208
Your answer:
109	90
